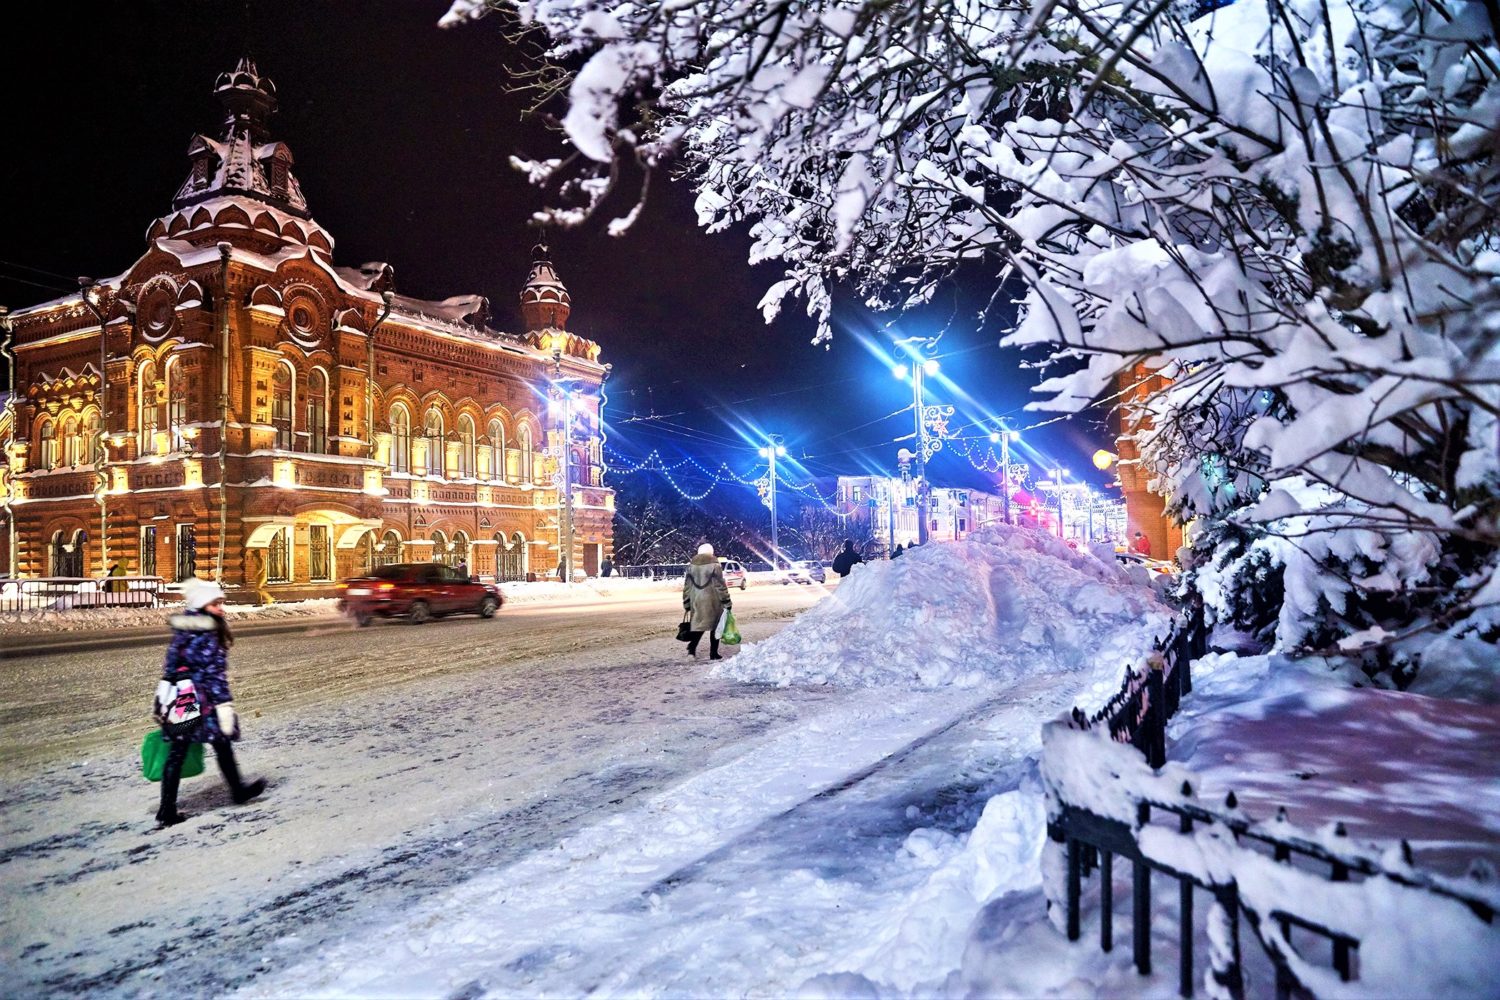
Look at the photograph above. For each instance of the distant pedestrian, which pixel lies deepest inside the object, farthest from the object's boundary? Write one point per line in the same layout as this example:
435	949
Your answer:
463	568
116	568
705	596
1141	545
199	651
606	567
847	559
896	552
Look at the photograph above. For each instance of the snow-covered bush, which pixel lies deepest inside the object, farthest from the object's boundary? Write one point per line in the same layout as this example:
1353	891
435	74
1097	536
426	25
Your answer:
1287	207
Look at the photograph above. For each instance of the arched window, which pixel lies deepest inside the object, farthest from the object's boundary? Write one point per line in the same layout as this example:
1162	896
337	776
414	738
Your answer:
400	440
93	444
432	430
497	450
526	453
388	552
283	393
72	453
466	463
440	551
460	553
279	558
523	562
46	446
148	414
177	404
316	415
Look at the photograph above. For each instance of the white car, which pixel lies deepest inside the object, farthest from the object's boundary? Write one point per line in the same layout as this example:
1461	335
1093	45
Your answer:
1156	567
807	571
734	573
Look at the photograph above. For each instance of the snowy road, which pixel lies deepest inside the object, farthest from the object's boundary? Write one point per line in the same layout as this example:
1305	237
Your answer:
401	760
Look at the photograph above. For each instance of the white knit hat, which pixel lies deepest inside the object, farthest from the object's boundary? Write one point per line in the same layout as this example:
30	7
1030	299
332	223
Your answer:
705	549
199	594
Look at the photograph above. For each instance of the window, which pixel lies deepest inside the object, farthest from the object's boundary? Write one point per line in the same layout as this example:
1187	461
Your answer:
317	412
465	448
177	402
93	443
187	552
526	454
148	550
432	430
283	387
497	450
439	547
460	553
278	558
71	443
147	412
388	552
400	440
46	445
858	494
319	553
67	556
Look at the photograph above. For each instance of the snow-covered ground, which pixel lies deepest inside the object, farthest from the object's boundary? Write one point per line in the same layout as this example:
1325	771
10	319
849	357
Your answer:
838	857
560	803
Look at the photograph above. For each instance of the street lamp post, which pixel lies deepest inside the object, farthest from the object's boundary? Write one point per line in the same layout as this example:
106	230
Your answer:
93	298
1004	436
925	418
562	395
773	450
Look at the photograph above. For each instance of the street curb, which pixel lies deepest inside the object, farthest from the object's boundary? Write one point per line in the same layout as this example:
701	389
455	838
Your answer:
157	637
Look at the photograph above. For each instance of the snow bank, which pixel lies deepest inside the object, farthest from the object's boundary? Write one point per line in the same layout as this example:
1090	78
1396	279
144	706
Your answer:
92	619
1005	603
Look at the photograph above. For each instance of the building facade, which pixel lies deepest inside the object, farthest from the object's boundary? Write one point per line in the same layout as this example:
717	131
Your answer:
1146	510
234	405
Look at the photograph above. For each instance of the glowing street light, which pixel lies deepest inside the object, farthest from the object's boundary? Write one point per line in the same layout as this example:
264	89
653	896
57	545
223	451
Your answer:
771	451
930	366
899	371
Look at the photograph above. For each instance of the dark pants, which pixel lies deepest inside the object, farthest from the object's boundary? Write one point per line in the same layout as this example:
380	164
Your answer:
171	774
713	643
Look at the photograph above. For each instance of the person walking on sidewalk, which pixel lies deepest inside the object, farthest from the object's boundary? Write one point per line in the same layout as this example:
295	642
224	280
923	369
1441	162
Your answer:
199	651
705	597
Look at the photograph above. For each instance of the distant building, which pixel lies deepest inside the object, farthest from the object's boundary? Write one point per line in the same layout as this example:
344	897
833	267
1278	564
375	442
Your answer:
262	415
888	505
1145	509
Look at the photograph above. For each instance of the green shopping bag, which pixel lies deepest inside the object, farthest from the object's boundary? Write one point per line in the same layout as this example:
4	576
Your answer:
154	757
731	635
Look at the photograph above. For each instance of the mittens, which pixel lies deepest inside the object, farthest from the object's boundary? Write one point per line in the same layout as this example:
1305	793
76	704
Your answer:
165	692
229	720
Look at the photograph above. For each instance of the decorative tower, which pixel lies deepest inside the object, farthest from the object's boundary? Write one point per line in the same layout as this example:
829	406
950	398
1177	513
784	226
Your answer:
545	303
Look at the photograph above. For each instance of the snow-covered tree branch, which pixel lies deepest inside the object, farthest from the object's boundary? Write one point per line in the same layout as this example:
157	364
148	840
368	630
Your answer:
1287	207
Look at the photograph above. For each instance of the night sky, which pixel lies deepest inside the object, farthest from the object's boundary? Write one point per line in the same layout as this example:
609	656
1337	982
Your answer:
402	134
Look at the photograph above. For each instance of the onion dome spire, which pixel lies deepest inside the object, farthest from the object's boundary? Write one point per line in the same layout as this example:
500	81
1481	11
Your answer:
545	302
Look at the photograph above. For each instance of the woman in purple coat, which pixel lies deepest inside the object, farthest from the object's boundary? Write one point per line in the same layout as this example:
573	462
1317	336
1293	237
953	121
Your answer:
199	651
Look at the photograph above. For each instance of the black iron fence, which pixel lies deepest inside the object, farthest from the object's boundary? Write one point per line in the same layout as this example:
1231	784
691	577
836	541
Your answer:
60	593
1290	923
1151	692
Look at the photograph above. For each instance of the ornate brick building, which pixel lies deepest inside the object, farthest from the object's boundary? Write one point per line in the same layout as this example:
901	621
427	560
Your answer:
234	405
1145	509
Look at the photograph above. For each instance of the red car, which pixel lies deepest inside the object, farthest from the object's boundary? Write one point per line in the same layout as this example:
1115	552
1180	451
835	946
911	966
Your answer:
420	591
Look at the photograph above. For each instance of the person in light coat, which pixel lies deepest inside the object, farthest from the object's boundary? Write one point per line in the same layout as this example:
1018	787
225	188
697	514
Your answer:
705	596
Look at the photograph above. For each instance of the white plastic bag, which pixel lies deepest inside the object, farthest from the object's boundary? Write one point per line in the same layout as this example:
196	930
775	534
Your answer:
719	628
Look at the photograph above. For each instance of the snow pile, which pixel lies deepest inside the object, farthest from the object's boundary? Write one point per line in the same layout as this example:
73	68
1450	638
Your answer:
1005	603
91	619
553	591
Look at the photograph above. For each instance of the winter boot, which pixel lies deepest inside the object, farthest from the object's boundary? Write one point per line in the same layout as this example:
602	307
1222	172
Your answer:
250	791
171	777
238	790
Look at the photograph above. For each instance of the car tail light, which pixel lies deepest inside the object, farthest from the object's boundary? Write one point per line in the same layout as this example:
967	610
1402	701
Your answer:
386	586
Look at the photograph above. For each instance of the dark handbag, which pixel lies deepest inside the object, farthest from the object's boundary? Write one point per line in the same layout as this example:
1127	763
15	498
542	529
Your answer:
684	632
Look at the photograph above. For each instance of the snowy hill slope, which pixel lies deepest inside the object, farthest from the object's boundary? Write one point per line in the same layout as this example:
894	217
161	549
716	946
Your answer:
1003	604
